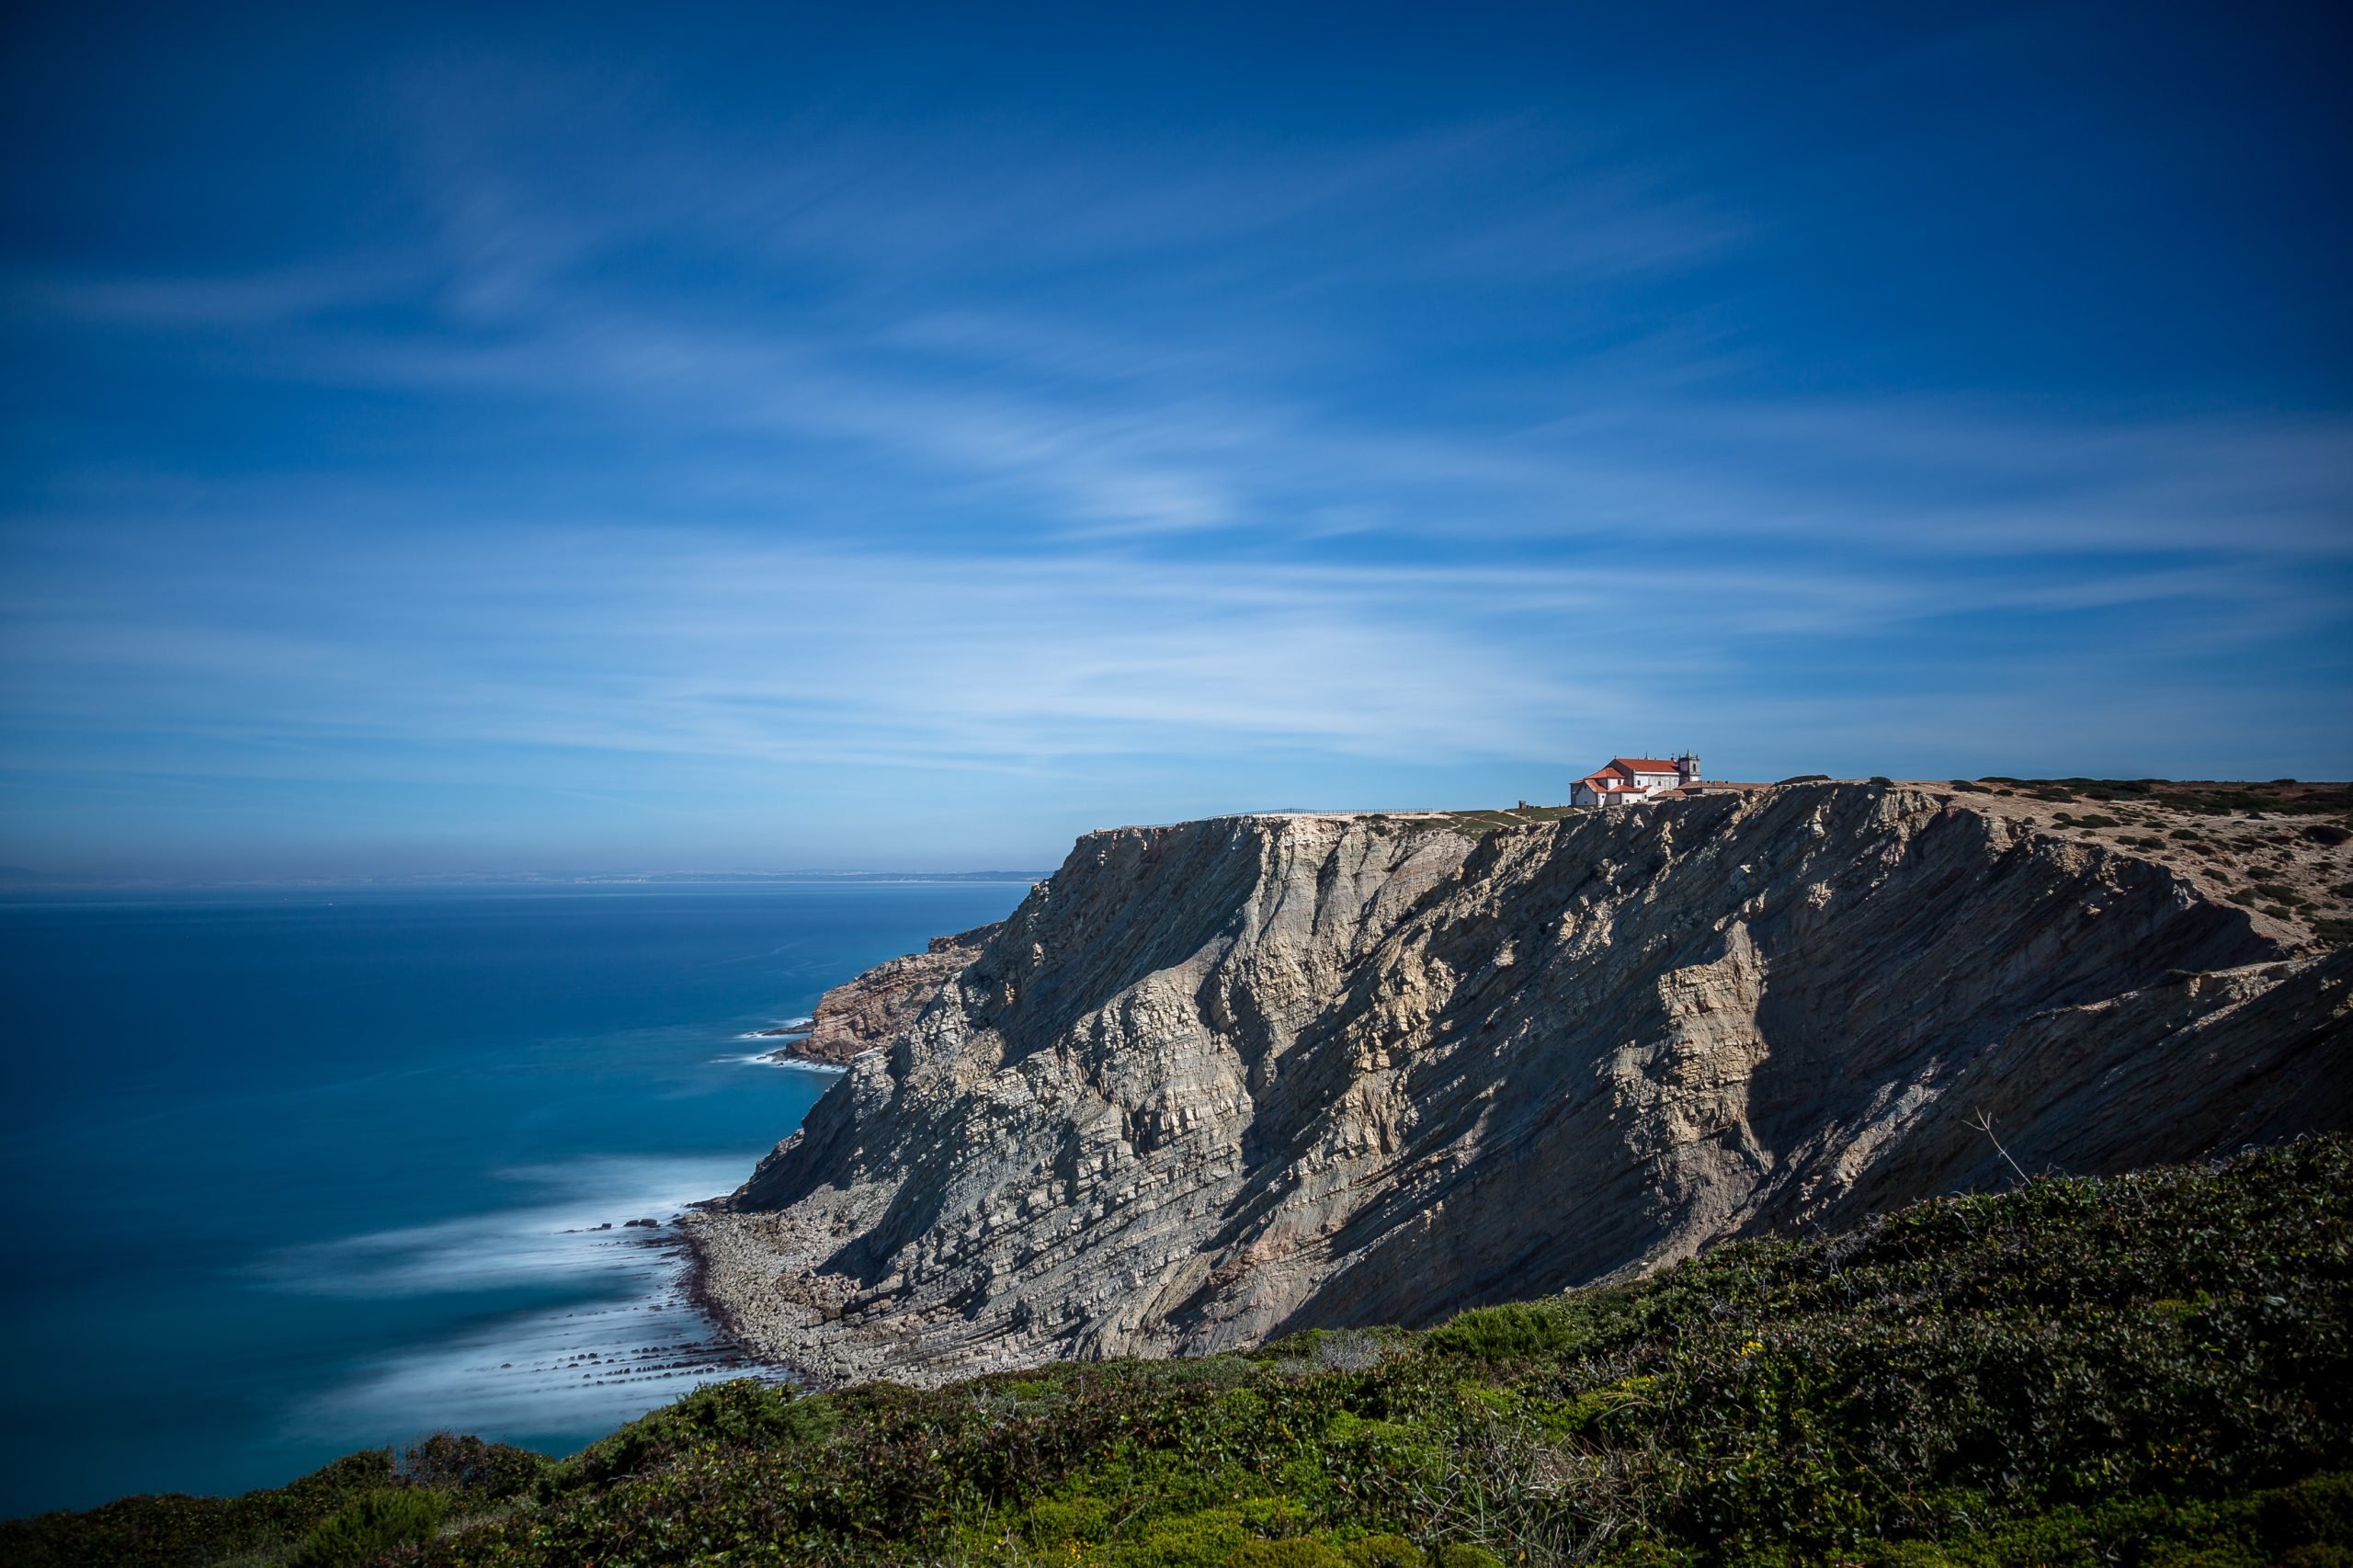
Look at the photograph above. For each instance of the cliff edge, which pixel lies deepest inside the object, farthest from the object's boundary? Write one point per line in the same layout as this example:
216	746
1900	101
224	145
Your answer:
1219	1080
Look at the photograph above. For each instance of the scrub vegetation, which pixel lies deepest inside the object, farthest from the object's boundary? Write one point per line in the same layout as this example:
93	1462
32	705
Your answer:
2288	796
1470	823
2151	1369
2276	847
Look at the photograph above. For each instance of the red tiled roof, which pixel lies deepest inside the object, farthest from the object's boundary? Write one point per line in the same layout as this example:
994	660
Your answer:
1641	765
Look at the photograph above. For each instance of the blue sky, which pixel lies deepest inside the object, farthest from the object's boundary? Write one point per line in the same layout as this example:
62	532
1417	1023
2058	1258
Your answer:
633	438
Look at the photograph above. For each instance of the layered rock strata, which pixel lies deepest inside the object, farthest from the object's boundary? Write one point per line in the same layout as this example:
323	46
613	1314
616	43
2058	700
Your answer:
870	1010
1217	1081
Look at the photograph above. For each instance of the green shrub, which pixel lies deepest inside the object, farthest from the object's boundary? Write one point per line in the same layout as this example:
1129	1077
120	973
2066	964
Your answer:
742	1413
173	1530
1303	1552
1202	1539
2090	819
1463	1556
393	1516
1519	1330
1055	1520
1385	1551
2314	1513
452	1464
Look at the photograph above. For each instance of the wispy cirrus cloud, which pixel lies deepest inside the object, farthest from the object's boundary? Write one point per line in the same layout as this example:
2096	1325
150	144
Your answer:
693	644
631	444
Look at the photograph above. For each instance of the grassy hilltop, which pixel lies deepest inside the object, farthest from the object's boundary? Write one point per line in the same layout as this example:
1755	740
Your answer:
2153	1368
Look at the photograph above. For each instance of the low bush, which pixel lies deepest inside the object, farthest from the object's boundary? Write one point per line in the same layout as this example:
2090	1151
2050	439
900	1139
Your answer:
175	1530
367	1528
743	1413
470	1467
1300	1552
1522	1330
1463	1556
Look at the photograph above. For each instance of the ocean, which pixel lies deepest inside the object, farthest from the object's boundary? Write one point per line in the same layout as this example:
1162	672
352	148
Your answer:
298	1173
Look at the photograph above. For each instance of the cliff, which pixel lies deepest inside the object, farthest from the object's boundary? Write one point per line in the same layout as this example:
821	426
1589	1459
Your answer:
1215	1080
871	1009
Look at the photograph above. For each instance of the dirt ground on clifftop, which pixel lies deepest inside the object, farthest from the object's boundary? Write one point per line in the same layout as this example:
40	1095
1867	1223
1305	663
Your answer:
2283	851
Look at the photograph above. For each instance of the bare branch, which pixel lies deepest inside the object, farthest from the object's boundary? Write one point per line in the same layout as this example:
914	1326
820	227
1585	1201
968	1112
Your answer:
1984	1123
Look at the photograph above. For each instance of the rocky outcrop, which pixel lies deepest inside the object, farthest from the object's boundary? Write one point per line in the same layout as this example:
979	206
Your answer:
1216	1081
870	1010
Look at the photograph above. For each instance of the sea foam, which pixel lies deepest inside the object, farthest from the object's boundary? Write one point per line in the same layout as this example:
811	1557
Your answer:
795	1064
637	1342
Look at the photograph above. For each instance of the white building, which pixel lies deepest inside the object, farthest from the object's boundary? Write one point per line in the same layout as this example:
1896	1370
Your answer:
1629	779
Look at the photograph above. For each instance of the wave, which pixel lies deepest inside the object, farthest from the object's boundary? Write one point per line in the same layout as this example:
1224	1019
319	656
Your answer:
780	1031
623	1338
795	1064
578	1228
584	1370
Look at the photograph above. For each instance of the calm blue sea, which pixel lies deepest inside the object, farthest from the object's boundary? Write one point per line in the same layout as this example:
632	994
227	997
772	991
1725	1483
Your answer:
294	1174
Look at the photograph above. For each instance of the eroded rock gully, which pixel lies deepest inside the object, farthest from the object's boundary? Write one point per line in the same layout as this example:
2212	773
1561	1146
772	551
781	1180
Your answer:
1215	1080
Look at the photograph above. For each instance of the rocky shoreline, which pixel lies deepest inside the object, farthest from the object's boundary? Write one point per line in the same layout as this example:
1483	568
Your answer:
743	1348
758	1278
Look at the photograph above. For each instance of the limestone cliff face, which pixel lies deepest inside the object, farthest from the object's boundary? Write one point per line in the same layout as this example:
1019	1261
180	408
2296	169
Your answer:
1214	1080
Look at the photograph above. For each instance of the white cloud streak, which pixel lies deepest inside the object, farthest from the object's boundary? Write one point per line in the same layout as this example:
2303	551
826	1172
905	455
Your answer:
1000	460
